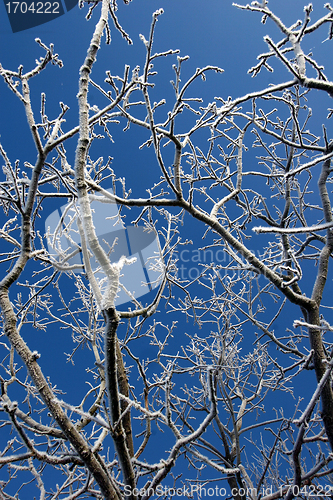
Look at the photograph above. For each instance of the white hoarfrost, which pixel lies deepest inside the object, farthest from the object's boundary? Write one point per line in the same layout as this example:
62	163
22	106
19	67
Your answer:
113	282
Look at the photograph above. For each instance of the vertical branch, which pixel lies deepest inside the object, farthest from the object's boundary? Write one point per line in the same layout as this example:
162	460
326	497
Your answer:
118	434
124	390
287	251
176	166
231	478
327	249
156	141
83	143
112	271
121	372
30	115
237	189
26	231
315	335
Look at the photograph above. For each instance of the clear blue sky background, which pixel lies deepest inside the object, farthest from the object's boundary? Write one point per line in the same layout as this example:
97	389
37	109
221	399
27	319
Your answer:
210	32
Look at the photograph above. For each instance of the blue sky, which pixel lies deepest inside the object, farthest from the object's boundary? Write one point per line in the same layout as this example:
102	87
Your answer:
210	32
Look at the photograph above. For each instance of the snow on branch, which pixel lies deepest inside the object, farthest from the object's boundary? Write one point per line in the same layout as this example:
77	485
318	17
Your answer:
324	327
113	282
95	418
292	230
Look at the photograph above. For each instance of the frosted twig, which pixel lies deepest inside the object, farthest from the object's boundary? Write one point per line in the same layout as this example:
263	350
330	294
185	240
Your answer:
97	419
292	230
298	323
307	412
